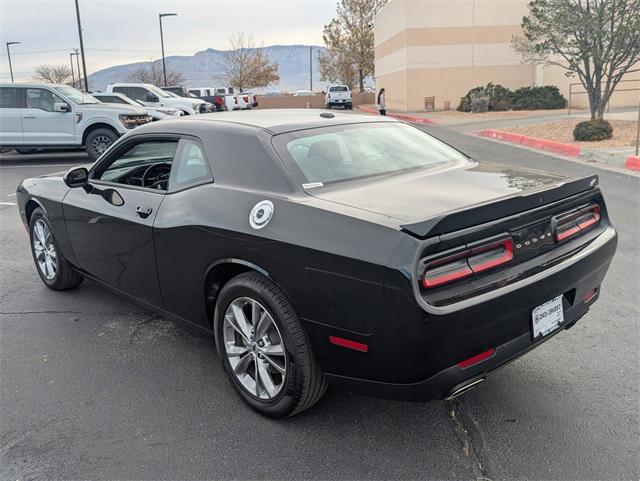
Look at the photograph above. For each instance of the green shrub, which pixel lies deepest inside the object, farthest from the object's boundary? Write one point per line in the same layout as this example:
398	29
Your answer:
499	98
592	130
536	98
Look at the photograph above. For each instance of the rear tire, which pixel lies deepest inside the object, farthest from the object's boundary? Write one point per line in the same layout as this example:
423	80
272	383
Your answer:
98	141
283	394
54	270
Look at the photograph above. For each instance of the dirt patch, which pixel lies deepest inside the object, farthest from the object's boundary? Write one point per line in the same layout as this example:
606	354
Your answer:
624	133
507	114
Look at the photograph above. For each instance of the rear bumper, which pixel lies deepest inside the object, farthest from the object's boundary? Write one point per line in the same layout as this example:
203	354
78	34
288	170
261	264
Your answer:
454	379
414	355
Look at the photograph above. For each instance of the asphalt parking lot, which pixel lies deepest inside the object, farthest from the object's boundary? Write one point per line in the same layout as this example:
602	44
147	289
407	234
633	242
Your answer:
94	387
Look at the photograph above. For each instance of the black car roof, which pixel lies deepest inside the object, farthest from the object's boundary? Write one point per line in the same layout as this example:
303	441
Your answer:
276	121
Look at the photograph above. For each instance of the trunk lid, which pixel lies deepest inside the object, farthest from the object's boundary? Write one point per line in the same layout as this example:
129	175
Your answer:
440	201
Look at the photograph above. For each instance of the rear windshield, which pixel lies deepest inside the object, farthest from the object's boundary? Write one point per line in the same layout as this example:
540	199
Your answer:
334	154
340	88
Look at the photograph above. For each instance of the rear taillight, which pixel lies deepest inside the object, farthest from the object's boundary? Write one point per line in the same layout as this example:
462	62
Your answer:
570	224
477	258
218	101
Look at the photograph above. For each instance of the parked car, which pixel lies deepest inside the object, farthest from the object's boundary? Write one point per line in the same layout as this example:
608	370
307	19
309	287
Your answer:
303	93
153	96
338	95
36	116
250	99
350	249
156	113
275	93
208	95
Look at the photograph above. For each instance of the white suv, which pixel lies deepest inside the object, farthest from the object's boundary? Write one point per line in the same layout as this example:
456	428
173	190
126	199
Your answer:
47	115
153	96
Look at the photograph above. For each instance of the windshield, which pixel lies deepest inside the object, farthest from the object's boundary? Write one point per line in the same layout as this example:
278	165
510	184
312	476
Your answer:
76	96
158	91
339	153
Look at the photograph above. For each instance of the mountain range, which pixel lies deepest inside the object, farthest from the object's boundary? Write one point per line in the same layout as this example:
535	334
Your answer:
204	69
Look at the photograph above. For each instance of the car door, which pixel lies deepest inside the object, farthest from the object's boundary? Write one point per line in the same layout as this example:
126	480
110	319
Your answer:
11	116
110	222
41	124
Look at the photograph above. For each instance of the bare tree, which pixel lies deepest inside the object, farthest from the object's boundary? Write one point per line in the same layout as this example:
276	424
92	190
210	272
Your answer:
245	65
349	41
597	40
53	74
152	74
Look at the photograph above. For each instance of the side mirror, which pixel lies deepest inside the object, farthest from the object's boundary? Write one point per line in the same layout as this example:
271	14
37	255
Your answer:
61	107
77	177
152	97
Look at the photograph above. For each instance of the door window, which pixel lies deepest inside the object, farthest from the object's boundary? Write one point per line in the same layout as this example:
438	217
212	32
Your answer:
137	93
190	166
143	164
42	99
9	98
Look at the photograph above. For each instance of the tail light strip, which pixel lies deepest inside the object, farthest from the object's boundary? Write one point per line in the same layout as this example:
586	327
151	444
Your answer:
573	223
468	262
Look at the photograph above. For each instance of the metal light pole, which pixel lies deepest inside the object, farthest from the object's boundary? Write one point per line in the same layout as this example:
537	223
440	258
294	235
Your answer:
638	133
73	77
77	54
9	56
311	69
84	63
164	66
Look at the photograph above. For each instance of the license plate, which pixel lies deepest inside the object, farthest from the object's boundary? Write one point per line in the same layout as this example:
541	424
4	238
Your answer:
547	317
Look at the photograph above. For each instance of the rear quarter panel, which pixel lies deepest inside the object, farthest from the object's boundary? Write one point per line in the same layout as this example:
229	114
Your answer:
330	266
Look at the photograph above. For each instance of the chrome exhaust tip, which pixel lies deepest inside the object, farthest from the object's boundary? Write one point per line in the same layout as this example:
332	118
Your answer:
464	388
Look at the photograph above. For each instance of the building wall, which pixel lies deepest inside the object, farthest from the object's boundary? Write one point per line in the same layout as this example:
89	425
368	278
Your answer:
443	48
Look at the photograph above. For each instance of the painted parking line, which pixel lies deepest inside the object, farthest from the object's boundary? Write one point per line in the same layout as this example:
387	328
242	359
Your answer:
8	203
11	195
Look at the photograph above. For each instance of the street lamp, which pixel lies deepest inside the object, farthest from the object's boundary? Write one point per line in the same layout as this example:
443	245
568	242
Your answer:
9	55
164	66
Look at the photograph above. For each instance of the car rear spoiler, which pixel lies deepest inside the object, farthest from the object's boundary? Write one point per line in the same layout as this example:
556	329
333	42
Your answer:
487	212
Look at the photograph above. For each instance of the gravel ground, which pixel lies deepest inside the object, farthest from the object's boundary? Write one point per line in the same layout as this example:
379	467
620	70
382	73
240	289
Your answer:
624	133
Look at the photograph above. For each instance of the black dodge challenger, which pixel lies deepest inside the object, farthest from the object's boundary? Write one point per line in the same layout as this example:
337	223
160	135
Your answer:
323	247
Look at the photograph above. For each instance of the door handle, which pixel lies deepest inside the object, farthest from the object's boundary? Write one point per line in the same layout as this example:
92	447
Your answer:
144	211
29	116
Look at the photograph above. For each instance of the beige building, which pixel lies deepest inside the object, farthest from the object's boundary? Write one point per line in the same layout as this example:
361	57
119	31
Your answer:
443	48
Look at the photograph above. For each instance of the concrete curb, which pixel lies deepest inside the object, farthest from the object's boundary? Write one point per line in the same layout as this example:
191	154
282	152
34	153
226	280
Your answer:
632	163
406	118
542	144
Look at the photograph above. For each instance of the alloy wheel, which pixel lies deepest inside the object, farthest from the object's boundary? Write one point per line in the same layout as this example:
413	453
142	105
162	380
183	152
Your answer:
44	249
101	143
254	348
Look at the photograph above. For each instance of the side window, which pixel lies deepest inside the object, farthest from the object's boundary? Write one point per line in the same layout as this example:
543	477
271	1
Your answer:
137	93
9	98
195	92
144	164
190	166
114	100
42	99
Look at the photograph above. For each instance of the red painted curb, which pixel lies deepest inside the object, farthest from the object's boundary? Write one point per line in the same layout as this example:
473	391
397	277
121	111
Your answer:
407	118
632	163
542	144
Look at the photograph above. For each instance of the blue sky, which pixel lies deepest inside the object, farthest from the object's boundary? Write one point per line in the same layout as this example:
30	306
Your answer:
120	31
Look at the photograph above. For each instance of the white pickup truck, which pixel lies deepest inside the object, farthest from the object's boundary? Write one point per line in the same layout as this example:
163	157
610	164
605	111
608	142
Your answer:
34	116
153	96
338	95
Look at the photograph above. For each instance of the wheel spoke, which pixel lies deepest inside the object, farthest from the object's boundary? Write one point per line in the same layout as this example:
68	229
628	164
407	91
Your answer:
235	351
255	314
265	379
274	350
241	320
53	255
243	365
263	324
273	363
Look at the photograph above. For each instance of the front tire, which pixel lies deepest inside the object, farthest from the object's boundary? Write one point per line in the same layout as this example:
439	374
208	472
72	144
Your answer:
54	270
264	348
98	141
